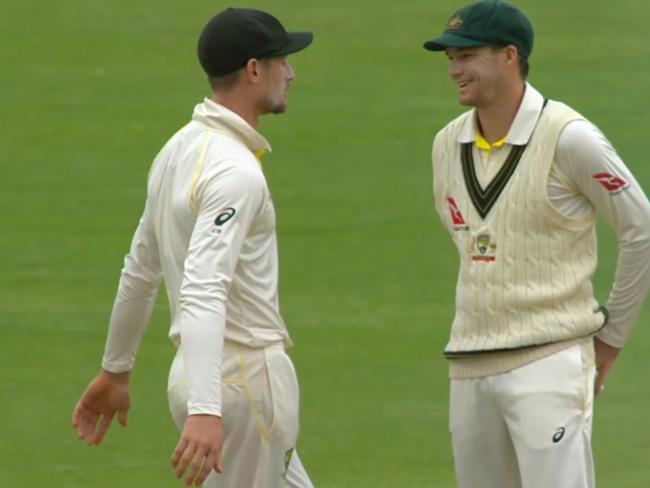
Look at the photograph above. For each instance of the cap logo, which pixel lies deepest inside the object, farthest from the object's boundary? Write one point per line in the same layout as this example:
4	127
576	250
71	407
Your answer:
454	23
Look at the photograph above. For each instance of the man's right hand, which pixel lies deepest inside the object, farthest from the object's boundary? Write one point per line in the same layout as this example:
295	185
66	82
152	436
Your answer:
198	449
106	395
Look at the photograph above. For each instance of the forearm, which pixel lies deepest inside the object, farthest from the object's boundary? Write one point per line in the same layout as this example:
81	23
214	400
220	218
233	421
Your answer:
628	292
130	317
202	349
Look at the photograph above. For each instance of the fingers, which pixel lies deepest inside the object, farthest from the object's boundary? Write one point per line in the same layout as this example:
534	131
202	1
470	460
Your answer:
197	461
121	417
85	421
605	357
178	452
75	416
104	424
91	426
598	387
198	450
181	459
601	372
211	462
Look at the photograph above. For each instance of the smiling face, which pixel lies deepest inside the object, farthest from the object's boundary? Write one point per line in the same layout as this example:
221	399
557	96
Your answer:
478	73
276	76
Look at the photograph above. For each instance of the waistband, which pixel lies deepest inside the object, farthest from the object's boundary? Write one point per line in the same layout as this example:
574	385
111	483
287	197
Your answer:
499	362
233	346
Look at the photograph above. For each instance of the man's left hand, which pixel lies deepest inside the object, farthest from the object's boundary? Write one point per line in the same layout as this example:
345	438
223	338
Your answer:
605	357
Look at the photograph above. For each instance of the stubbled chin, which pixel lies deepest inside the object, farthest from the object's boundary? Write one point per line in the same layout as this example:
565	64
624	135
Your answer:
464	99
278	109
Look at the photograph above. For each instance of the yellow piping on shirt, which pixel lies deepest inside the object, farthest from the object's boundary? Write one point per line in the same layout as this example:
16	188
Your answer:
197	172
258	154
176	384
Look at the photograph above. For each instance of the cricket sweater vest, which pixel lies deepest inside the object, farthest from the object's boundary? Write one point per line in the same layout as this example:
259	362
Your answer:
525	269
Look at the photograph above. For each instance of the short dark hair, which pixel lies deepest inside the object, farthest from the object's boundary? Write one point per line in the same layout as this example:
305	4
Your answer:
524	67
226	82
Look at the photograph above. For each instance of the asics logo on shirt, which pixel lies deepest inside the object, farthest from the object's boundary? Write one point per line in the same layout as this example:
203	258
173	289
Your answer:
227	214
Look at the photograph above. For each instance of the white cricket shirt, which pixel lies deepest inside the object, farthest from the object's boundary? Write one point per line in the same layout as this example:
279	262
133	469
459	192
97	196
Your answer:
208	230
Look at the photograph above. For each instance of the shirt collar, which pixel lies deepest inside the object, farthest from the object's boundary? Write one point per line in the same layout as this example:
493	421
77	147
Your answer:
217	116
522	126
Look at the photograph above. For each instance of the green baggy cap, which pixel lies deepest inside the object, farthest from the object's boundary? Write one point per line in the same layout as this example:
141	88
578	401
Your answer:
490	22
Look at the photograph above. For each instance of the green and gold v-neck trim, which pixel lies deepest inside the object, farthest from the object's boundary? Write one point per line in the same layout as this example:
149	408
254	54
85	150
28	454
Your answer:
485	198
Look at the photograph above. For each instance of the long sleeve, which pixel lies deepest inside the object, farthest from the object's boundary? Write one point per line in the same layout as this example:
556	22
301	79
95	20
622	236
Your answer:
227	204
594	169
136	296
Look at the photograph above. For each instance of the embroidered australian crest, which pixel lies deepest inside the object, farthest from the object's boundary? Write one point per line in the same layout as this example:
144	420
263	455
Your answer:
483	249
454	23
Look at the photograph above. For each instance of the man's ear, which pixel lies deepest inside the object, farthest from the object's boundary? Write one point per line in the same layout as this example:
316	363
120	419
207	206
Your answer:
512	54
252	70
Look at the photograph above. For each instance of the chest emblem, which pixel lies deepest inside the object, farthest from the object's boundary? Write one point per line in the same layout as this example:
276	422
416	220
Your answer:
483	249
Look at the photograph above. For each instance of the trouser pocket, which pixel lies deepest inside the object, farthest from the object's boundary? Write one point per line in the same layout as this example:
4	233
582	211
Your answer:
284	395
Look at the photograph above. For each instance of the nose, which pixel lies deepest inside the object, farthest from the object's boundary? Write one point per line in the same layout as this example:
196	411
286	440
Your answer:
291	74
454	68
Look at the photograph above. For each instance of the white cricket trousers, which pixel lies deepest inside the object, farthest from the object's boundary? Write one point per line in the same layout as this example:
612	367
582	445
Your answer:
260	400
527	428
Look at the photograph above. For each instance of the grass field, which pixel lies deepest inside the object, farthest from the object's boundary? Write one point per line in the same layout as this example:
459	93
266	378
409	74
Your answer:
88	93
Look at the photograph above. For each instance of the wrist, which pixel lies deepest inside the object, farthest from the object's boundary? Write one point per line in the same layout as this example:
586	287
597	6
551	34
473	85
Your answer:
121	378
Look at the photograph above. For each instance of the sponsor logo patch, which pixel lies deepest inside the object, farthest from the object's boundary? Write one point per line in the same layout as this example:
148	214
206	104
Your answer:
483	249
456	216
613	184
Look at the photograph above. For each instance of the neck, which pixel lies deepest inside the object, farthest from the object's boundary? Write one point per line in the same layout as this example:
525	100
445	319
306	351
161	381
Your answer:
496	118
238	105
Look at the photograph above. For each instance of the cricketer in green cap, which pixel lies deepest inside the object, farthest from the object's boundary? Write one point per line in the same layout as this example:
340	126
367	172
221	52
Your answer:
490	22
518	181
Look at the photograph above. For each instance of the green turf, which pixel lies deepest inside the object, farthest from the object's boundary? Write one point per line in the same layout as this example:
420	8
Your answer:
88	93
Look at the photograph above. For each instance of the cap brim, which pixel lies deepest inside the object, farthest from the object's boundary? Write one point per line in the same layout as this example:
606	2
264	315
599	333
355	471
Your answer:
297	42
449	39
